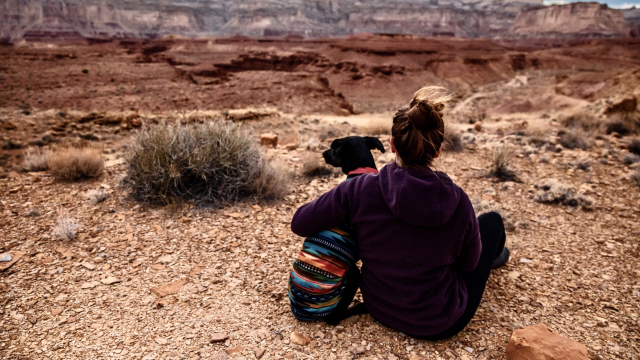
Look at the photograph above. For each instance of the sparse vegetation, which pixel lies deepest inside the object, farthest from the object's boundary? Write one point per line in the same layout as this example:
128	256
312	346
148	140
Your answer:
631	159
378	127
537	135
96	196
582	121
67	228
36	159
71	163
554	192
313	166
575	139
33	213
210	163
452	140
482	207
500	167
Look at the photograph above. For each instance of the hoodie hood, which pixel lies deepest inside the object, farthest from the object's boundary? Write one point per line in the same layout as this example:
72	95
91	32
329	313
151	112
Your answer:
419	197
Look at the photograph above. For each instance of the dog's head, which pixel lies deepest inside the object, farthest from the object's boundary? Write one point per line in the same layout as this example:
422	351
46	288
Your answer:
352	152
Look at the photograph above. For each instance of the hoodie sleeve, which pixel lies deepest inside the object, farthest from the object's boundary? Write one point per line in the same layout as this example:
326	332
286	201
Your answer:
329	210
471	247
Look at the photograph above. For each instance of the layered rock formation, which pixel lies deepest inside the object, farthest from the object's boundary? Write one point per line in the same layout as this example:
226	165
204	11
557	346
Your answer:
35	19
576	20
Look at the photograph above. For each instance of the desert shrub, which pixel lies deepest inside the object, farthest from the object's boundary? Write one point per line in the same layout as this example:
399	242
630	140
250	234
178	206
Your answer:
36	160
96	196
209	163
500	167
619	127
584	165
482	207
582	121
378	127
575	139
313	166
634	146
452	140
272	180
551	191
67	228
635	177
71	163
33	213
537	135
631	159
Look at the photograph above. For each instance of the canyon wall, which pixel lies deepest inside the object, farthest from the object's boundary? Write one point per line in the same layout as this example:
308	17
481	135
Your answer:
34	19
576	20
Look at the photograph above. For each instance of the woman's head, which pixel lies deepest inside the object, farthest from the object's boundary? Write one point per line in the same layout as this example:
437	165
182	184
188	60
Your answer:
418	128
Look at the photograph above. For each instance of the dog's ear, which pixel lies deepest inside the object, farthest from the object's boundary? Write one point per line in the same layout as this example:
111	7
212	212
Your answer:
374	143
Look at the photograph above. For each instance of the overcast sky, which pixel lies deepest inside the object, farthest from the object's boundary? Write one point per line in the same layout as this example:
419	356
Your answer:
616	4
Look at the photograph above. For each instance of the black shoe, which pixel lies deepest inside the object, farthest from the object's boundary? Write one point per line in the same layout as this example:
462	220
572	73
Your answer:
501	259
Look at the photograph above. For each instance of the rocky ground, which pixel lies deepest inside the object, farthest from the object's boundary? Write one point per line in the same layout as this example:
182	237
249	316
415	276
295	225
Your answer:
144	282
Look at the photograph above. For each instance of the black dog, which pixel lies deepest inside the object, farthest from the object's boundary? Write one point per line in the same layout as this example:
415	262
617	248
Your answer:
352	153
324	278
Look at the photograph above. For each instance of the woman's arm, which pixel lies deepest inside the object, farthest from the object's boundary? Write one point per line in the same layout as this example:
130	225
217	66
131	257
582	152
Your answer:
471	248
327	211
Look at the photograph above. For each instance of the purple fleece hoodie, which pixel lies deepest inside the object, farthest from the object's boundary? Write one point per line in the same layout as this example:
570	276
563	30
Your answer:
417	233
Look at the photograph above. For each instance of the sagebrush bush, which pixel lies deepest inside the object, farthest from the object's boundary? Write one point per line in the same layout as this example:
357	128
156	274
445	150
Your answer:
452	140
551	191
500	167
537	134
575	139
582	121
482	207
313	166
96	196
209	163
71	163
631	159
36	159
67	228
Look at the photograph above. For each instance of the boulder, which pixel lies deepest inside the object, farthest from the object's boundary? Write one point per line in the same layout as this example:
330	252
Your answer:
626	105
539	343
269	139
478	126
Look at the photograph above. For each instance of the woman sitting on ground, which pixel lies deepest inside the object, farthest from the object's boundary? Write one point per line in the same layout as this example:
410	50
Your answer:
426	258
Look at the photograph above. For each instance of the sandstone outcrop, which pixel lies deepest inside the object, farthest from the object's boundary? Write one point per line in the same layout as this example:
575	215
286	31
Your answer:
537	342
570	21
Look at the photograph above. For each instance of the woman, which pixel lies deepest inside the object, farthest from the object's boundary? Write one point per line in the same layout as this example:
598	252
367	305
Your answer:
425	256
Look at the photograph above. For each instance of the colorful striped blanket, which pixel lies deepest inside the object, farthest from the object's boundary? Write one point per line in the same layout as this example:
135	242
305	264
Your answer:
317	281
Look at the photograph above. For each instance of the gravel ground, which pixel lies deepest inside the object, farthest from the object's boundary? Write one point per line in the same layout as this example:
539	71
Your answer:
99	296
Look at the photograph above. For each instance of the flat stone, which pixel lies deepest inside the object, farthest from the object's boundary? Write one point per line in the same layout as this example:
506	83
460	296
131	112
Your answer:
161	341
56	312
299	339
514	275
258	352
110	280
170	288
88	265
89	285
165	259
236	349
218	337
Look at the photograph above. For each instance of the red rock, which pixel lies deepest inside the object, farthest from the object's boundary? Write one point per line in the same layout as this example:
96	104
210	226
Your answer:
299	339
478	126
219	337
236	349
170	288
537	343
269	139
627	105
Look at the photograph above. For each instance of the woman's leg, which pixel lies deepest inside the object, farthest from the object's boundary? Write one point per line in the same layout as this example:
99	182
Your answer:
493	237
342	311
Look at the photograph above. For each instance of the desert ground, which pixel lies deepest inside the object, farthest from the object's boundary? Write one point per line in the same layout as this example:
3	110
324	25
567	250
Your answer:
573	266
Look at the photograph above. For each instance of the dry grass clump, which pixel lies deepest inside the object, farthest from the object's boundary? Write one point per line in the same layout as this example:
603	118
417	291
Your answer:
96	196
500	168
554	192
635	177
452	140
67	228
313	166
210	163
575	139
36	159
537	134
631	159
482	207
378	126
70	164
582	121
